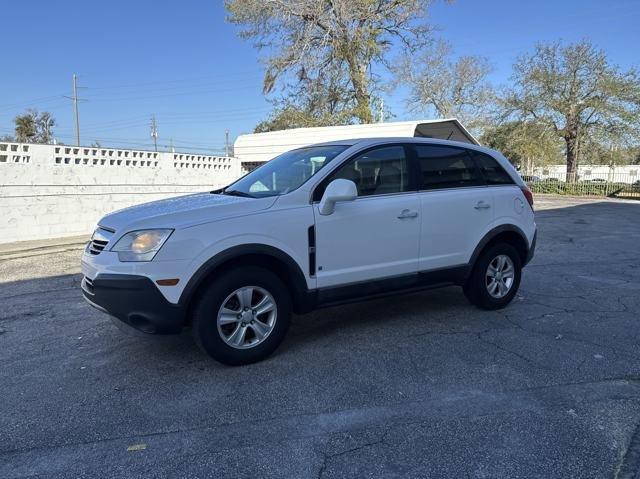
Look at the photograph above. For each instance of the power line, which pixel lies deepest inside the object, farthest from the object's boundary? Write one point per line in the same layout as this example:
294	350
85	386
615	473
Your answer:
180	117
169	95
131	142
225	79
45	99
118	126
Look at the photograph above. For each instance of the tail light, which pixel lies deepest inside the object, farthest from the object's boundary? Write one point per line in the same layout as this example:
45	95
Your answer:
528	195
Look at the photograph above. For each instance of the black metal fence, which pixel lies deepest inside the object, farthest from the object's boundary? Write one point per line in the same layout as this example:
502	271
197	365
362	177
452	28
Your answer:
614	185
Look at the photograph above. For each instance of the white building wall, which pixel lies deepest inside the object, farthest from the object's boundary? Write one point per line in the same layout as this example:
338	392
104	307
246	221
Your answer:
619	174
50	191
261	147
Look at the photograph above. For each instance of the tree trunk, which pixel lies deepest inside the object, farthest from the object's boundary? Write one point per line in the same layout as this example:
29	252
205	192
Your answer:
361	90
571	140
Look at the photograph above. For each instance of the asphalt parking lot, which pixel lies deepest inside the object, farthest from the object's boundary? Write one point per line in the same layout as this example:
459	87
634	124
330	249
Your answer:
421	385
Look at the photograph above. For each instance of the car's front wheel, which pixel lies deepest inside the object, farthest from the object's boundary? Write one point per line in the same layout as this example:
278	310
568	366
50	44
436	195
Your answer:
242	316
495	278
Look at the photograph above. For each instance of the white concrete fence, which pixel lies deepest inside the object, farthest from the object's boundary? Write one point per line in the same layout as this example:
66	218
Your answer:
51	191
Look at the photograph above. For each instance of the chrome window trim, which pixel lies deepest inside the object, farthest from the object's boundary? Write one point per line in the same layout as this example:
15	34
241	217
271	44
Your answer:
472	187
399	193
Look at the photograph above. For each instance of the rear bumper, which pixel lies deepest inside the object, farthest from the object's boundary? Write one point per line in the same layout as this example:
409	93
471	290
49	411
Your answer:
135	301
532	249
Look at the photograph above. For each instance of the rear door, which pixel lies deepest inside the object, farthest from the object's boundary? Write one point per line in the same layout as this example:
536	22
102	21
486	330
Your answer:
376	235
456	205
509	206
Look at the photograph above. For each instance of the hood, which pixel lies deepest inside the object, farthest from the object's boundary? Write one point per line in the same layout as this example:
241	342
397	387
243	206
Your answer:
183	211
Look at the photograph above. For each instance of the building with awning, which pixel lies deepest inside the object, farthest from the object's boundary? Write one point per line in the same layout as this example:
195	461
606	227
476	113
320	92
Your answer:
256	148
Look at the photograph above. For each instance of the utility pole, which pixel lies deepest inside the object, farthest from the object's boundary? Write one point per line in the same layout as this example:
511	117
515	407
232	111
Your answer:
75	100
226	143
381	113
154	132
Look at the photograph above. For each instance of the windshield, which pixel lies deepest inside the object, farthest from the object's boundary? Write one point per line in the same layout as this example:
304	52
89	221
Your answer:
285	172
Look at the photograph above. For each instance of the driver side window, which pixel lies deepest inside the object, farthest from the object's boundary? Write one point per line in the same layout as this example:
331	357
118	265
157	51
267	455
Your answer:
378	171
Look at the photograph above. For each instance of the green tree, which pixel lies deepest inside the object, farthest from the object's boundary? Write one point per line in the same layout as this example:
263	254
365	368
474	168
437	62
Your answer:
25	127
526	144
596	151
576	92
291	116
318	101
307	37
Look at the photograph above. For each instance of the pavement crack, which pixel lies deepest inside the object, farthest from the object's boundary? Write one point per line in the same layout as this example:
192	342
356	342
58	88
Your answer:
453	333
510	351
328	457
617	353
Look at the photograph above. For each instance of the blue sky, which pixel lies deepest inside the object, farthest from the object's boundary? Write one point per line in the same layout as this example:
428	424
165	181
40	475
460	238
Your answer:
182	62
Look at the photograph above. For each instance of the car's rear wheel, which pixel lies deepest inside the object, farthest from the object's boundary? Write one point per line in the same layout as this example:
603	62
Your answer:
242	316
495	278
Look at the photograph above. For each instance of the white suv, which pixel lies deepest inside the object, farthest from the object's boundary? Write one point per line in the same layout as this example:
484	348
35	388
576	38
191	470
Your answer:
316	226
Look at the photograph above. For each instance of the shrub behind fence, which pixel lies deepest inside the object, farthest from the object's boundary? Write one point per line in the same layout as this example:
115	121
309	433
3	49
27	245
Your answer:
618	185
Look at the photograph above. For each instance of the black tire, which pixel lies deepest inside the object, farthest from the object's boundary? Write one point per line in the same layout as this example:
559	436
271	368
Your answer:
205	315
476	289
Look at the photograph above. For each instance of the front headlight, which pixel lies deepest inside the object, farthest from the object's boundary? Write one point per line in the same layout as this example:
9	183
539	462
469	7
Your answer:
141	245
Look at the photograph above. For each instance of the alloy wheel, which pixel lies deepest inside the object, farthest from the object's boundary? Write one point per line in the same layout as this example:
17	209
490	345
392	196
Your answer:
500	276
247	316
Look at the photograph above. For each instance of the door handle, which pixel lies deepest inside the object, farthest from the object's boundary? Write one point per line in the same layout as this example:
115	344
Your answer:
407	214
482	205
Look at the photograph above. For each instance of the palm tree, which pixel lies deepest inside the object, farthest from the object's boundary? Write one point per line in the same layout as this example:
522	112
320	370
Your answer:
25	127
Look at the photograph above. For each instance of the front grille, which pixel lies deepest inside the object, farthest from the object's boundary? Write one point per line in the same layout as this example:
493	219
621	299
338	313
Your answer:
99	240
87	285
97	246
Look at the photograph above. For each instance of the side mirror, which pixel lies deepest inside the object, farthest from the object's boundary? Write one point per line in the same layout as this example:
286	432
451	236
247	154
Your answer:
337	190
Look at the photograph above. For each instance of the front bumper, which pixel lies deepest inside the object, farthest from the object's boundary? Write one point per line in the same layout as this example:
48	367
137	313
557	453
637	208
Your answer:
135	301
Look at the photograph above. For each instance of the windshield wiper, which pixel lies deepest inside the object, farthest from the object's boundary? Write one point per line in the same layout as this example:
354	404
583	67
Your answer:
237	193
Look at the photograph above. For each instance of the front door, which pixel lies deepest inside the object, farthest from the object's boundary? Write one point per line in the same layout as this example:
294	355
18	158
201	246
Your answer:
377	235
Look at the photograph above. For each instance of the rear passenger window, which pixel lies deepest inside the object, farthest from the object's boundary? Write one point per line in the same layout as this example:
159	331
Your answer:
494	174
446	167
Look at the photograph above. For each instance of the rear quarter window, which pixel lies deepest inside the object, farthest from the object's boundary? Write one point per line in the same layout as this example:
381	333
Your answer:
492	171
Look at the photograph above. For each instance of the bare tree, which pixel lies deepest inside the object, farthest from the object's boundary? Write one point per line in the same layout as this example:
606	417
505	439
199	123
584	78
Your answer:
306	37
448	87
576	92
44	127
